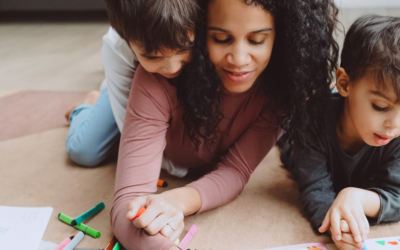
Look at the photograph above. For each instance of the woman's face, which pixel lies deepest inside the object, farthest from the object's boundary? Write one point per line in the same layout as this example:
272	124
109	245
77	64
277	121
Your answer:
240	38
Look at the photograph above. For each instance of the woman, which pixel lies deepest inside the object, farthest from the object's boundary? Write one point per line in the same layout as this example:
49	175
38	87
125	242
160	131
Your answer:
257	62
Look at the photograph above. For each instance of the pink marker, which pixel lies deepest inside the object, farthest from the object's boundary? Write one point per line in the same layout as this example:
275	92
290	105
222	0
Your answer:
64	243
188	237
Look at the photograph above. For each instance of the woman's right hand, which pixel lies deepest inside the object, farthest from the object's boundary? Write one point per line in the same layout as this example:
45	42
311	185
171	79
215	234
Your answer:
161	216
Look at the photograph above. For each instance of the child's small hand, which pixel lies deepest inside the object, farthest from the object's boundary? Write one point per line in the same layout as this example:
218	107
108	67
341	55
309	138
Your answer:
348	207
347	242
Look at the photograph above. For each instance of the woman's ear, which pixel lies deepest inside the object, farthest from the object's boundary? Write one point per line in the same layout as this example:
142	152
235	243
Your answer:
342	82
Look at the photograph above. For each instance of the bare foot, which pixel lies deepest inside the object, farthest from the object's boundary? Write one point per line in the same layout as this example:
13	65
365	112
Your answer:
90	98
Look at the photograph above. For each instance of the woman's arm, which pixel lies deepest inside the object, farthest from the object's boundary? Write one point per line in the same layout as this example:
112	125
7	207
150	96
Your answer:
232	173
139	162
215	189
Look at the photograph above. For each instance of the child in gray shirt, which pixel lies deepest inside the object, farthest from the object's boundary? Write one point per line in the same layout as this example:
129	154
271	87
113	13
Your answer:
349	171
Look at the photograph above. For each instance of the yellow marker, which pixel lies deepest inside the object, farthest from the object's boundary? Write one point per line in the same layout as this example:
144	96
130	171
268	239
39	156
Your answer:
177	242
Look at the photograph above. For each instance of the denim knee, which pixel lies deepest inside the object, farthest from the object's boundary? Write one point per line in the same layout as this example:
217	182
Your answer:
84	156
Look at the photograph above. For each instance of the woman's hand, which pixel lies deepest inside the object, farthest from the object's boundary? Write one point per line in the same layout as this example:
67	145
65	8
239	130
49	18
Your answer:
347	242
347	206
161	216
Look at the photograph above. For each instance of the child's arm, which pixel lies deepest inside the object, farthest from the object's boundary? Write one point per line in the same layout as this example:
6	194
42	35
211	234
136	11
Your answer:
351	205
118	61
387	185
309	164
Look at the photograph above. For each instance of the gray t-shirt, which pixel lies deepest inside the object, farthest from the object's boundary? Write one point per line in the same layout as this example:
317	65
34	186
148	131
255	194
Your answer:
323	169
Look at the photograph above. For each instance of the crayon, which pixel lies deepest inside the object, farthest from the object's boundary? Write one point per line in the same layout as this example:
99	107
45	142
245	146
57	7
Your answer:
87	230
141	210
188	237
111	244
162	183
64	243
78	220
78	238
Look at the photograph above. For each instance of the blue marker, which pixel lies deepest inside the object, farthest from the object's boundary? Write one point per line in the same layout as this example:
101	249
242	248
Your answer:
365	246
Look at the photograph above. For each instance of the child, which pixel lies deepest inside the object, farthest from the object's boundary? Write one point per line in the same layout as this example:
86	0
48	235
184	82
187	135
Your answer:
349	173
164	49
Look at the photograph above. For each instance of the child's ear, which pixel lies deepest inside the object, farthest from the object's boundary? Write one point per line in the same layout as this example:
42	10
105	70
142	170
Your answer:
342	82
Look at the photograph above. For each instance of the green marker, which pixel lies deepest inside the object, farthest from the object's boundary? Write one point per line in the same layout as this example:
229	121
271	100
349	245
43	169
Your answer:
78	220
87	230
116	247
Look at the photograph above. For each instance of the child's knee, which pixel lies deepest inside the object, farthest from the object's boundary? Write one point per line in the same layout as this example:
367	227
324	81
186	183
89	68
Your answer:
83	155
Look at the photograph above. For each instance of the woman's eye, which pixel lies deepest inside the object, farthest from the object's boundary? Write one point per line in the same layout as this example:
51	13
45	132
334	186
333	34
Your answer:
255	42
222	41
377	108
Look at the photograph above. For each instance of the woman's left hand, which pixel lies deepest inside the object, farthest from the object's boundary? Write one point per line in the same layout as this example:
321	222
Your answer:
161	215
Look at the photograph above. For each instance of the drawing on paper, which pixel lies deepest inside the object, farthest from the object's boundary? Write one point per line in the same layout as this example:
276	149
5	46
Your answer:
2	230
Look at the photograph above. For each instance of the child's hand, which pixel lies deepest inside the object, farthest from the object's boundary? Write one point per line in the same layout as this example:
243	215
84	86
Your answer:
161	216
348	207
347	242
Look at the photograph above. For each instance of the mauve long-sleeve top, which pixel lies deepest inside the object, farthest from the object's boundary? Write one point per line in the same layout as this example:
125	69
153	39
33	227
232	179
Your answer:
154	126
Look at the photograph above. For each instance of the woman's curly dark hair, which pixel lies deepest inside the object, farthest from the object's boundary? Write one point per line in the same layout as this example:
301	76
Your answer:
302	66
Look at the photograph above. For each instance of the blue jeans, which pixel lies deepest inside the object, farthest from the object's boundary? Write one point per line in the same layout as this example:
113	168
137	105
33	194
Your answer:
93	132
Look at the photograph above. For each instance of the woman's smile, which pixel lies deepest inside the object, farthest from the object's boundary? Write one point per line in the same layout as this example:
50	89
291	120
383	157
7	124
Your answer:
238	76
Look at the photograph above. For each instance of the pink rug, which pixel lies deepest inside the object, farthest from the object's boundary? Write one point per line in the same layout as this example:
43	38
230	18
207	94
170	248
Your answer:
29	112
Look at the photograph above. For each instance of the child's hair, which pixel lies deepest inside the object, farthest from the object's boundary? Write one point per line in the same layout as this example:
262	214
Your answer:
372	47
154	24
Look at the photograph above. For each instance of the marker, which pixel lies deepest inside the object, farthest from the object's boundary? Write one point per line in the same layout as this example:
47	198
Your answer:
64	243
365	246
87	230
74	242
162	183
78	220
116	247
188	237
111	244
141	210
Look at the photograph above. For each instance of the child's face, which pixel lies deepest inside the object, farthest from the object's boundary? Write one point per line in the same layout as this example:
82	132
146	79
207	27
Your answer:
240	39
373	113
165	62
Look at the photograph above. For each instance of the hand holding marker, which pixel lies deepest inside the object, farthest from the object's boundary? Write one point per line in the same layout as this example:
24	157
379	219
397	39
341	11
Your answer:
188	237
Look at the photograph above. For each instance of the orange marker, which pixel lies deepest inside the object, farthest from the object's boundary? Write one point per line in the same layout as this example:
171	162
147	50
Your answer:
162	183
111	244
141	210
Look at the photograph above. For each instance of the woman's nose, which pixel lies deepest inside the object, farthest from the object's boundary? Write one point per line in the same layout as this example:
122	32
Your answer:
239	56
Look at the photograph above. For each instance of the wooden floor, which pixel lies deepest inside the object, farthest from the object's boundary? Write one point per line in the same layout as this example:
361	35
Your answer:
66	57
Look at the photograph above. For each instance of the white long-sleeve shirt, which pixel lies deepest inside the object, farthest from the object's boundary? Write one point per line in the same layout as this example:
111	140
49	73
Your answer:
119	63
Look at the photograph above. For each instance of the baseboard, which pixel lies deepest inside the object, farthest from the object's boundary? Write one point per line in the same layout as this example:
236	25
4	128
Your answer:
367	3
53	16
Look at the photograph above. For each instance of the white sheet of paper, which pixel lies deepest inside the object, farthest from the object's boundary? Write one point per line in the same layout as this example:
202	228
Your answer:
22	228
46	245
